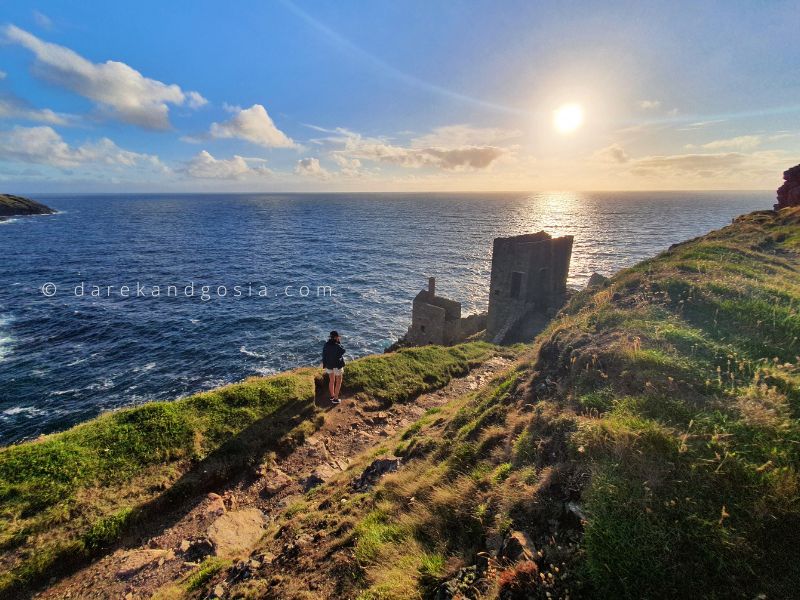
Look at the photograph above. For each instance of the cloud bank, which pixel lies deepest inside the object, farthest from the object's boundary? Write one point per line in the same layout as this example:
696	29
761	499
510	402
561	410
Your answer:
115	87
205	166
43	145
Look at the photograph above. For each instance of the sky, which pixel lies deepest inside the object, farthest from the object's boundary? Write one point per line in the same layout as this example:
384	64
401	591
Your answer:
397	95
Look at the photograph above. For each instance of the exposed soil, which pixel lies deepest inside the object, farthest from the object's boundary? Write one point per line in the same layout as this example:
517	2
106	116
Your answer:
229	522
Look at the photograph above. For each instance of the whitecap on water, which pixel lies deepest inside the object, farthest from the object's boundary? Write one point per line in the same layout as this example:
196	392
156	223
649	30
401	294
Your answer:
247	352
5	338
26	411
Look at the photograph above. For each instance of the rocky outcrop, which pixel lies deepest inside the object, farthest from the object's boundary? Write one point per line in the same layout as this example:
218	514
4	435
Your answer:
236	532
375	471
789	192
11	206
597	281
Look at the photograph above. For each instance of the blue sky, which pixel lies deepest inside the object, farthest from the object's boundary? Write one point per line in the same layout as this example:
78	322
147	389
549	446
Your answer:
390	95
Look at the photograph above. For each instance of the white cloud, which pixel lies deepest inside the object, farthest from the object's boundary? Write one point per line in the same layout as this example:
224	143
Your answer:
649	104
310	167
613	153
348	167
683	169
454	136
112	85
42	20
705	165
13	108
43	145
3	75
453	148
742	142
205	166
195	100
254	125
468	157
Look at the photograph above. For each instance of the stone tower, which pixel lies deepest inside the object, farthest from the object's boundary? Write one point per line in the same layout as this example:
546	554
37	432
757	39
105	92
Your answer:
528	283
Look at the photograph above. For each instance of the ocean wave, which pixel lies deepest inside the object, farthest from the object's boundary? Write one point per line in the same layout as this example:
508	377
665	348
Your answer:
63	392
247	352
6	340
26	411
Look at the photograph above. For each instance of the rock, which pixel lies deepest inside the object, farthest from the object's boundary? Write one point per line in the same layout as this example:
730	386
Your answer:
236	531
494	543
379	418
375	471
138	560
597	281
195	550
17	205
789	192
215	506
317	477
517	546
274	481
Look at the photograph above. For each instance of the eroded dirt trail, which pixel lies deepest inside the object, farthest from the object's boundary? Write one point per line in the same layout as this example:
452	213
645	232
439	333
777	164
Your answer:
228	523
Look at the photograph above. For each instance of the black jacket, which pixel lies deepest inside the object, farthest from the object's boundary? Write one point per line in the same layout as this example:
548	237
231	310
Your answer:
332	355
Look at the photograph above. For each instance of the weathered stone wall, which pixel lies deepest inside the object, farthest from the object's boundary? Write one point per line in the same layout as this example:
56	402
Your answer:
427	324
437	320
528	272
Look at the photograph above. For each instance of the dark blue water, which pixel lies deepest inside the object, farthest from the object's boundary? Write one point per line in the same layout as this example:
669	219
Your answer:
66	358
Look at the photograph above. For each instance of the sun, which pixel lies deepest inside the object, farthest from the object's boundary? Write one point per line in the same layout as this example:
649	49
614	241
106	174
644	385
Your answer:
568	118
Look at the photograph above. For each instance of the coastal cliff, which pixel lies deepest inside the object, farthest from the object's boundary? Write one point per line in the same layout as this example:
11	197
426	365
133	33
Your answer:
646	444
11	206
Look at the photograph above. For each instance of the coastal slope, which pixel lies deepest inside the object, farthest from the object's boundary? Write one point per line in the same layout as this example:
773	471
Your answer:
646	445
11	206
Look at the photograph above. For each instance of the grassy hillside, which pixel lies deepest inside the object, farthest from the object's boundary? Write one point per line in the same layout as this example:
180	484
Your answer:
68	496
649	449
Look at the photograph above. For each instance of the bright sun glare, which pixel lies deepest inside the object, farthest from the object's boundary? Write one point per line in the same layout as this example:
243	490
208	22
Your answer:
568	118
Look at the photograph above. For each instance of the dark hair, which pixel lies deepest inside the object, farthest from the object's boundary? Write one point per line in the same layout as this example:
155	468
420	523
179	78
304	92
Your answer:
334	334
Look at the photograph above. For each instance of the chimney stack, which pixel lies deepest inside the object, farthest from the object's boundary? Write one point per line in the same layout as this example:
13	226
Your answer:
432	286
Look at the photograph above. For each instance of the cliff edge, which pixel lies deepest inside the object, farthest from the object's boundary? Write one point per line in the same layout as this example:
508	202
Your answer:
11	206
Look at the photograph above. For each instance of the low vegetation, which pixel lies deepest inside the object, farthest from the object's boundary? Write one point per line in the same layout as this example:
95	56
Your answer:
67	496
649	450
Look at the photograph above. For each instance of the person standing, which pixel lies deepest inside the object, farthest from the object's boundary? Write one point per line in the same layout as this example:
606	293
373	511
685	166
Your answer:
333	363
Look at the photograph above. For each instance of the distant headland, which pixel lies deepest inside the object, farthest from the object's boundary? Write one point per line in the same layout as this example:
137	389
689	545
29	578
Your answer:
12	206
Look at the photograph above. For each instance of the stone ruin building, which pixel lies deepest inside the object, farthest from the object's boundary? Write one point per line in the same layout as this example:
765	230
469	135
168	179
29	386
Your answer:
528	285
437	320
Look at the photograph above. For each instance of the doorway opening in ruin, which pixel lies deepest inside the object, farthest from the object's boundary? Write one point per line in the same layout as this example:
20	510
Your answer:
516	284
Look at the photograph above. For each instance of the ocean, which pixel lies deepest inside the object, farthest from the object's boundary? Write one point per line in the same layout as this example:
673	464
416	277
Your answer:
83	328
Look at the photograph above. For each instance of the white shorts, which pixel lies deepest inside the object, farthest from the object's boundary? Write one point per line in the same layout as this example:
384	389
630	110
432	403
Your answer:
337	372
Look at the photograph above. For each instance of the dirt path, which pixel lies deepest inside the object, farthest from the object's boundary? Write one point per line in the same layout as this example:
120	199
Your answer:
230	522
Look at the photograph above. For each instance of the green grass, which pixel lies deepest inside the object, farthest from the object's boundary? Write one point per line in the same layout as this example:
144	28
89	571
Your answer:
70	495
671	418
208	568
687	379
405	374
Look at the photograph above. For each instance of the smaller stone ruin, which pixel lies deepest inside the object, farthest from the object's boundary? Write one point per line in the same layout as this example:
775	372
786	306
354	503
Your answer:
438	320
789	192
